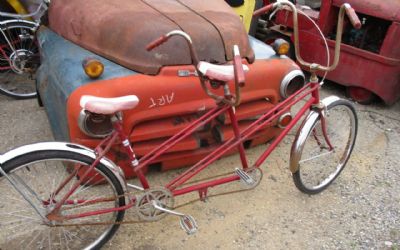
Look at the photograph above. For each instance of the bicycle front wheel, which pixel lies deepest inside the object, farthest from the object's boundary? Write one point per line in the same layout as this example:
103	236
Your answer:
19	59
44	177
325	154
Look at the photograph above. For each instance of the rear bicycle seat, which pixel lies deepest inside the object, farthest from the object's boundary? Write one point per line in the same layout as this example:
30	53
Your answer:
107	106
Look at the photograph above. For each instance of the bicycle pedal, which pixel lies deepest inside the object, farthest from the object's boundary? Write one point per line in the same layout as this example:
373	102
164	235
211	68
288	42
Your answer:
245	178
188	224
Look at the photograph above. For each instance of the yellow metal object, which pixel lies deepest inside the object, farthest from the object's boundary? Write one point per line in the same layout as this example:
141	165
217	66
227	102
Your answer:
283	49
93	67
18	7
281	46
246	12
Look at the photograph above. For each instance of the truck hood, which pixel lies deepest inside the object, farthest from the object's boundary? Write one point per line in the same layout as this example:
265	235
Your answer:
119	30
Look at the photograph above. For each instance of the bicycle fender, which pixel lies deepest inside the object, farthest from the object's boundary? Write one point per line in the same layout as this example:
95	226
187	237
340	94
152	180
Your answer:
304	131
67	147
21	22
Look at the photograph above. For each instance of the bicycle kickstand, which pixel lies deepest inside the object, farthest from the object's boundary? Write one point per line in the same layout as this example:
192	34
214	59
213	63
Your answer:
187	222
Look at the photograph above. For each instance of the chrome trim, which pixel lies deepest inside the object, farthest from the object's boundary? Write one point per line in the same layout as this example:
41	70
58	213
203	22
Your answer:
67	147
303	132
282	117
82	125
287	79
22	22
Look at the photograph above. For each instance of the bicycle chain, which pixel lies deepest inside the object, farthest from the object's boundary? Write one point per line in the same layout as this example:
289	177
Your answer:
143	221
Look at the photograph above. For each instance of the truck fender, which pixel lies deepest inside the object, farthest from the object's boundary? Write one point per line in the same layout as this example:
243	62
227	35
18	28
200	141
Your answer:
304	131
65	147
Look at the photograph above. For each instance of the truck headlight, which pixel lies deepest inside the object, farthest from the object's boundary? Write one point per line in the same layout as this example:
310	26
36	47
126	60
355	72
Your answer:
292	82
95	125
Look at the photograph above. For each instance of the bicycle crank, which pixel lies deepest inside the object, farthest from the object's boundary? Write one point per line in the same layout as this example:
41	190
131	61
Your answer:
187	222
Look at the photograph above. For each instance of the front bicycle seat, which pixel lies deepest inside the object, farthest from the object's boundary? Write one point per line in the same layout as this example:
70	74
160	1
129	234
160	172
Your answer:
107	106
224	73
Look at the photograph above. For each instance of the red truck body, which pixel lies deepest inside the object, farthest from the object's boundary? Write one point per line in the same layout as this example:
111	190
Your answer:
370	57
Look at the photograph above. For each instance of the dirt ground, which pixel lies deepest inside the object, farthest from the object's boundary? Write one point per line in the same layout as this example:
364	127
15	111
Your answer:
360	210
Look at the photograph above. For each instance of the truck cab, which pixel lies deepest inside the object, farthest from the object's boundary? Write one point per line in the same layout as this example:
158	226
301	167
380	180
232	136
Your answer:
370	57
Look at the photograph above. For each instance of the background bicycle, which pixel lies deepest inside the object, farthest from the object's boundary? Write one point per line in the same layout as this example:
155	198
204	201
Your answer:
19	54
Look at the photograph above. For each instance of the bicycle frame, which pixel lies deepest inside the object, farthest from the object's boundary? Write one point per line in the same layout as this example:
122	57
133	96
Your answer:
175	186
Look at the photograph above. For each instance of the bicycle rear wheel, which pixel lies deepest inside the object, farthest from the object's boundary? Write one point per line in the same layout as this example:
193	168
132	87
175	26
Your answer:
39	175
320	163
19	59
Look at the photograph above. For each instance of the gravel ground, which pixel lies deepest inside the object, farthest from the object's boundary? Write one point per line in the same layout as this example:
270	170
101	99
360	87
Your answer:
360	210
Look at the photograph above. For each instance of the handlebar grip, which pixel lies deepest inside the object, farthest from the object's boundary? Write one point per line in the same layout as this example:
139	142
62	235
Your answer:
238	67
355	21
156	42
263	10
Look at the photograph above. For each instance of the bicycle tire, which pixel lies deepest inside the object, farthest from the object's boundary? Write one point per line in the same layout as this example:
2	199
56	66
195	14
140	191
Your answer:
18	232
312	178
19	65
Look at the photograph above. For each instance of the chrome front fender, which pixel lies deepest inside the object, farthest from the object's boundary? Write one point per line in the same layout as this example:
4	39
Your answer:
66	147
304	131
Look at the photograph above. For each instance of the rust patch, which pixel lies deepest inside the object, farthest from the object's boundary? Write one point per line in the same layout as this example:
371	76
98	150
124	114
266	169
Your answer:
120	30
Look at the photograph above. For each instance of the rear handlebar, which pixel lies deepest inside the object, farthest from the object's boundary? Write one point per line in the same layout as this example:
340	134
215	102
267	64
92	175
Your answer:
345	8
237	67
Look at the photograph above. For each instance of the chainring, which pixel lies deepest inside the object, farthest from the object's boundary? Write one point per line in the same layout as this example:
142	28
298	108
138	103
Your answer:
146	210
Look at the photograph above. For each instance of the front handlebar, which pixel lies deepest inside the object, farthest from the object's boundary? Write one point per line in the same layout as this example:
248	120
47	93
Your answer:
345	8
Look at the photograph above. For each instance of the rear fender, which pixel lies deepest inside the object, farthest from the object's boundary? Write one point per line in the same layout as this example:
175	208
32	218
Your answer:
304	131
64	147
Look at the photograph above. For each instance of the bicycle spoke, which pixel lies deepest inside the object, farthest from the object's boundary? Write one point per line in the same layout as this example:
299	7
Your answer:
31	241
315	157
19	180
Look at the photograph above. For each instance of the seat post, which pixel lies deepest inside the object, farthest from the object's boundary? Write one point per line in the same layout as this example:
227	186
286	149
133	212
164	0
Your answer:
235	127
116	120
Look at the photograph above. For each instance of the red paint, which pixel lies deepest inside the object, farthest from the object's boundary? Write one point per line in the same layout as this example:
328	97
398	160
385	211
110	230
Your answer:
149	126
379	72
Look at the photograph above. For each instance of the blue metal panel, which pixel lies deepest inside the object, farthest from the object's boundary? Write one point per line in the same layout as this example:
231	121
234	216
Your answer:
61	73
261	50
